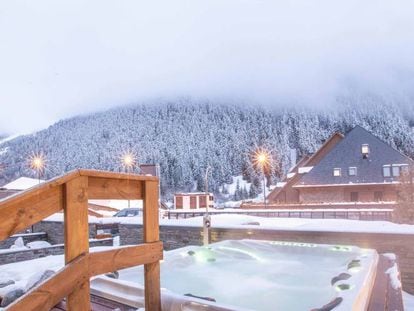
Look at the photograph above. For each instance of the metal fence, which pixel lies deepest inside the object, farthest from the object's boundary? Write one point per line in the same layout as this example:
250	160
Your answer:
355	214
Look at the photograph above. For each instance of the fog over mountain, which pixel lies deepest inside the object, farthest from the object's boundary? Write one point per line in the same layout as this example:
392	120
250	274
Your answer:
186	136
64	58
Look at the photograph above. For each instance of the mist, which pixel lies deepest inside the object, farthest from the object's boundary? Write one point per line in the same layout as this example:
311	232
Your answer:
64	58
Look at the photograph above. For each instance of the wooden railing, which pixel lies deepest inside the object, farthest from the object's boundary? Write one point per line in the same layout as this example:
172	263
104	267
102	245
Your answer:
70	193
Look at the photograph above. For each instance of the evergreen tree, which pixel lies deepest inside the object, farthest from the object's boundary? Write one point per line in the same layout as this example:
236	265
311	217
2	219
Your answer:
237	193
244	193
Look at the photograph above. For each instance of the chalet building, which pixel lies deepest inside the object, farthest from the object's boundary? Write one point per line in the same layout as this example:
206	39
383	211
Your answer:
357	167
193	200
18	185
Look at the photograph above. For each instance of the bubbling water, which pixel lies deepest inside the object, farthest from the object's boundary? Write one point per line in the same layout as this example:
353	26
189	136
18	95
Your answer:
257	275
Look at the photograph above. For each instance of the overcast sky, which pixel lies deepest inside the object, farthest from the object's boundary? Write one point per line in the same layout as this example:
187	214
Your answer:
62	58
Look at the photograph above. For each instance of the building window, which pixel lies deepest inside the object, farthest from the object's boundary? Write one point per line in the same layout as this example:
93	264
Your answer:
202	201
378	196
193	202
386	171
352	171
365	150
354	196
337	172
396	170
178	202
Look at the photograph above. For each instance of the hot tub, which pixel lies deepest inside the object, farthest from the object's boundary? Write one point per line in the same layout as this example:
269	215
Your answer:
254	275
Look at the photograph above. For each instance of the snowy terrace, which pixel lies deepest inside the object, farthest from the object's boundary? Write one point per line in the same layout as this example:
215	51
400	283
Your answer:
228	221
254	222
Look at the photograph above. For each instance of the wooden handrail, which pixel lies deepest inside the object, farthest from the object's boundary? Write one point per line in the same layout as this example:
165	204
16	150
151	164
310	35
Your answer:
124	257
71	193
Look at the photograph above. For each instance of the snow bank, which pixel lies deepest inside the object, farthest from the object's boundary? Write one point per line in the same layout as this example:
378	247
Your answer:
294	224
300	224
394	276
408	301
38	244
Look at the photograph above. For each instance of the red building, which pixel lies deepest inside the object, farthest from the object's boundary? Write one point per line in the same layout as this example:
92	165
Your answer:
193	200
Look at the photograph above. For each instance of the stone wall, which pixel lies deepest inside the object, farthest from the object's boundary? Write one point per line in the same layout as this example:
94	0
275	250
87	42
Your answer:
55	231
175	236
27	237
29	254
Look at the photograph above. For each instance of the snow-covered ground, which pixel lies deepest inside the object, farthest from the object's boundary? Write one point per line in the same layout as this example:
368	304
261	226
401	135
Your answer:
408	301
253	222
231	188
24	273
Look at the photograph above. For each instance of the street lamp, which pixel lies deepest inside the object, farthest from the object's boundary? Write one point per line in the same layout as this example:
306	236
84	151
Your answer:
262	159
128	161
37	162
206	218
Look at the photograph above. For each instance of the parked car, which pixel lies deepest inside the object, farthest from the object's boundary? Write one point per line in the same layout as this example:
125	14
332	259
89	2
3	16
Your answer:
129	212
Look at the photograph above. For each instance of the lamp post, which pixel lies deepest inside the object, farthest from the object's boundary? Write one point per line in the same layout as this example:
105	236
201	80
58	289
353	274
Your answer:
37	163
262	159
206	218
128	161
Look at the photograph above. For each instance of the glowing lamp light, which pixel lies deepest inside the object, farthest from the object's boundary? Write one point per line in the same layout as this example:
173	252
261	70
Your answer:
128	160
37	162
261	157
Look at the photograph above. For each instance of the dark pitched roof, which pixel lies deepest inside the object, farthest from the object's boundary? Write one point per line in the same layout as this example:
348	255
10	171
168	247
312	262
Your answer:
347	153
306	161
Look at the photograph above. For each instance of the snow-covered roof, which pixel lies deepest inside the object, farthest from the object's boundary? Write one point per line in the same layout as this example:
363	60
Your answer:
305	169
191	193
280	184
290	175
22	183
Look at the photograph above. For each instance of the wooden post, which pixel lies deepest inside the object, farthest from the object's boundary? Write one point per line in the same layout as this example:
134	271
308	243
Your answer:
77	236
151	234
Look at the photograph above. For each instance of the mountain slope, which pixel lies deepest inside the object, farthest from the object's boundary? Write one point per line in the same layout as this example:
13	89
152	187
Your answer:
185	137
